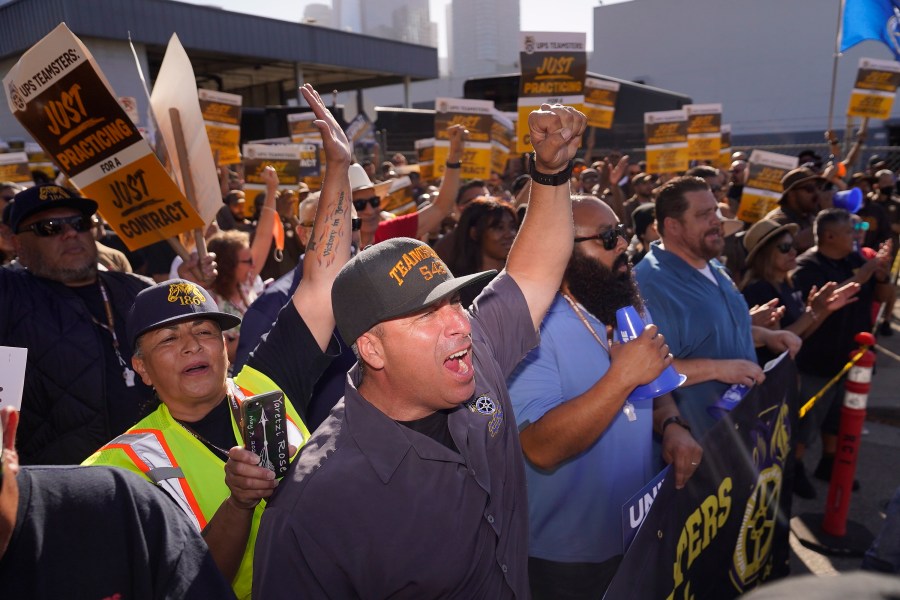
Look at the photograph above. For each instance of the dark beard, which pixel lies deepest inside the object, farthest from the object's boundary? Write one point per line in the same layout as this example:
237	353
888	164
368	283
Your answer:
600	290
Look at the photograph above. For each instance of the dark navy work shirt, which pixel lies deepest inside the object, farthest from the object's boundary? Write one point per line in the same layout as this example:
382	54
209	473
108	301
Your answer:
373	509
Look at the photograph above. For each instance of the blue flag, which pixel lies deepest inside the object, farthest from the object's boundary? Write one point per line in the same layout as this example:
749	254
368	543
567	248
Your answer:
871	20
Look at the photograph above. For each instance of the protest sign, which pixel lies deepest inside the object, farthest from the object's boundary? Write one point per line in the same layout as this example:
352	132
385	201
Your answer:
665	133
763	188
704	131
553	71
726	531
425	158
600	102
725	148
12	376
60	96
477	116
292	162
502	139
14	167
875	88
359	129
176	88
222	117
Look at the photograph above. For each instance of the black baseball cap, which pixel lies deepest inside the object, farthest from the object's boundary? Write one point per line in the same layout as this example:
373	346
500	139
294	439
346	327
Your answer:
46	197
170	302
391	279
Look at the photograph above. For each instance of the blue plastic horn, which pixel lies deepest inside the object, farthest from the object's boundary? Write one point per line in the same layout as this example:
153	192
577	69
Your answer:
630	325
850	200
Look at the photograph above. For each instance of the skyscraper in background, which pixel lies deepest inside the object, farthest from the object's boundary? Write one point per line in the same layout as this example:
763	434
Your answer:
483	37
402	20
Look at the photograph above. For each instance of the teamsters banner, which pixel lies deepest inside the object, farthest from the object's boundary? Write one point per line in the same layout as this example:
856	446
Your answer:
726	531
553	66
58	93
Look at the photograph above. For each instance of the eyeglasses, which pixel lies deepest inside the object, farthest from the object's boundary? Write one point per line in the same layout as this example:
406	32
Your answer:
56	226
360	204
355	224
785	247
610	237
861	226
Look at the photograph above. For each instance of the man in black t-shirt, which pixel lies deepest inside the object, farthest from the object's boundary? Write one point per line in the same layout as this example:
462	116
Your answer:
827	349
94	533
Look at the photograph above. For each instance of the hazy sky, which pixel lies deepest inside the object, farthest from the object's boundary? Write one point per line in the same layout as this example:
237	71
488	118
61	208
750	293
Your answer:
565	15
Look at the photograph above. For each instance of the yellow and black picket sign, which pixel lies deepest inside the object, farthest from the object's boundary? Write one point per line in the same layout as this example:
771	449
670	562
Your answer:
222	116
14	167
302	128
724	161
763	188
425	158
665	133
600	102
704	131
477	116
58	93
875	88
553	66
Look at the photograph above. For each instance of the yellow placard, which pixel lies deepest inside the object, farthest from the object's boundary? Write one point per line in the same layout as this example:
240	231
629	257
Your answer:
874	90
704	124
725	148
600	102
476	162
755	204
666	141
425	158
226	140
142	211
14	167
667	159
58	93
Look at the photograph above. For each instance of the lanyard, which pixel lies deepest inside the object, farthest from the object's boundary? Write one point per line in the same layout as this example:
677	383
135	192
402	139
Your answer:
110	326
628	407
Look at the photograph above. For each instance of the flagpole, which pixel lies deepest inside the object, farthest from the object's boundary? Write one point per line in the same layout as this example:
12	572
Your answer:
834	68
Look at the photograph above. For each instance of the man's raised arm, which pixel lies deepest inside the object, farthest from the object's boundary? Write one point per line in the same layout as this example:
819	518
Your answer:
329	245
541	251
432	215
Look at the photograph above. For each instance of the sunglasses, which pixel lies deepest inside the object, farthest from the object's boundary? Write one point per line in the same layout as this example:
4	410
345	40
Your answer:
785	247
355	223
610	237
56	226
861	226
360	204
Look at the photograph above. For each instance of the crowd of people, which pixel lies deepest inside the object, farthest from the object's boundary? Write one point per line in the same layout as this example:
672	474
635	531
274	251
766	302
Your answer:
451	375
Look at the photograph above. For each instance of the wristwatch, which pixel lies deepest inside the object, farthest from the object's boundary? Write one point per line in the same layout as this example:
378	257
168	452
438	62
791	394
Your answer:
554	179
677	420
453	165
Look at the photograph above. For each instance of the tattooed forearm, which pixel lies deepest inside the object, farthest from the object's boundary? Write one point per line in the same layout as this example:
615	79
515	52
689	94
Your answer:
334	233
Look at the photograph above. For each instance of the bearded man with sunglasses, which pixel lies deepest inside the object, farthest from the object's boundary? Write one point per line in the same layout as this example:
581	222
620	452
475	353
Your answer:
80	390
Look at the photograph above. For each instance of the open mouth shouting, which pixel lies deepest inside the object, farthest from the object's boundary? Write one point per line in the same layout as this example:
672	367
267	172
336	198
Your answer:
460	363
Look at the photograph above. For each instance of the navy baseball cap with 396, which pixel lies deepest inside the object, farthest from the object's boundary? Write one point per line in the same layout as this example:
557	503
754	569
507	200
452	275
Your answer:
46	197
171	302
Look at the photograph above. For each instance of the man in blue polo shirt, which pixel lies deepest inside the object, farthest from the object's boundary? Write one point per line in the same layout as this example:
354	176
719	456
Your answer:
696	304
588	447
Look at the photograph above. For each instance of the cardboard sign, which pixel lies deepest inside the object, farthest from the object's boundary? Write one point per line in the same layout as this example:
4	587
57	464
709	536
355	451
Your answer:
359	129
60	96
502	140
666	138
875	88
600	102
12	376
14	167
478	117
302	128
425	157
222	117
292	163
725	147
763	188
176	87
704	131
553	71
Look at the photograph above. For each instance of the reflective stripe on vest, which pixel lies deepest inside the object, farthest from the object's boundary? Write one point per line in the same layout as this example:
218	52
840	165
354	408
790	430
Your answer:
148	450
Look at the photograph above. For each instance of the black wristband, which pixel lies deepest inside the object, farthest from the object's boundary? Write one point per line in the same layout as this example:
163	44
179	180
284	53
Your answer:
560	178
450	165
676	420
